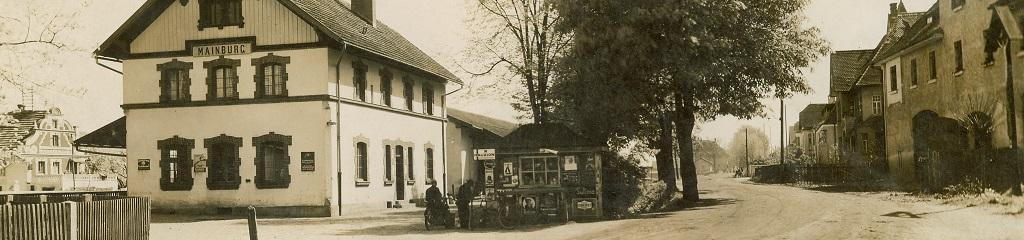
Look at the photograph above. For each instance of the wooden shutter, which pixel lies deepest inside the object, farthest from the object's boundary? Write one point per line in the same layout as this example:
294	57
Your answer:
284	80
261	81
233	82
211	83
165	86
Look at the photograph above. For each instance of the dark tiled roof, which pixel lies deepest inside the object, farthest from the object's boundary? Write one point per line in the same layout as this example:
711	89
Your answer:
112	135
11	136
903	21
547	135
812	115
846	66
497	127
328	16
917	32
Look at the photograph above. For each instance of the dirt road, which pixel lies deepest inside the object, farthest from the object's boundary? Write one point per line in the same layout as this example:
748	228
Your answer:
733	209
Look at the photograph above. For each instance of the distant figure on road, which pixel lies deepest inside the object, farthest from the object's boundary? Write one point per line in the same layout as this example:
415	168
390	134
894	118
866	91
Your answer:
739	172
466	194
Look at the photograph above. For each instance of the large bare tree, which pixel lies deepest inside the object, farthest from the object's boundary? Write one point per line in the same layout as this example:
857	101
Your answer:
33	37
517	36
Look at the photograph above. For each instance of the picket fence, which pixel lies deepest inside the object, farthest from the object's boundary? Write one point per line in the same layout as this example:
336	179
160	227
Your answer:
120	218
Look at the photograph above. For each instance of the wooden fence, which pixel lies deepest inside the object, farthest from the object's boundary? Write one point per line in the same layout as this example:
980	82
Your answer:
121	218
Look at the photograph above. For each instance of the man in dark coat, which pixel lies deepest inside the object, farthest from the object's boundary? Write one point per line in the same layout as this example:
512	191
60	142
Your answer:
466	194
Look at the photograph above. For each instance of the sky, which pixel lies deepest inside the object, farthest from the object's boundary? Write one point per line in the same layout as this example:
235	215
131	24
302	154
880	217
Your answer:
90	96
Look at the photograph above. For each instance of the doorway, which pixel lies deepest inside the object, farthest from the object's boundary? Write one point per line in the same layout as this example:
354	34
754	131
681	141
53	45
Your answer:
399	173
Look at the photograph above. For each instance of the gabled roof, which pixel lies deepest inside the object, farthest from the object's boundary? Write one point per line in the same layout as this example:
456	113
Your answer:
112	135
900	24
546	135
846	66
12	136
329	17
917	32
499	128
812	115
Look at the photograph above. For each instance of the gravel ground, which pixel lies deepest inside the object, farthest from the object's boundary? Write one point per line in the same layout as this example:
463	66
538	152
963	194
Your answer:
732	209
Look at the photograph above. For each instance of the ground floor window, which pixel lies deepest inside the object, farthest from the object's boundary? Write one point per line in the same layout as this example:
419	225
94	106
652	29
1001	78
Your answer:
430	163
539	171
223	162
176	163
272	160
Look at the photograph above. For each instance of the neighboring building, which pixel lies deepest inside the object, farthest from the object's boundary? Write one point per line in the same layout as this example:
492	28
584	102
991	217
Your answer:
952	65
38	155
806	132
465	132
857	88
826	148
297	107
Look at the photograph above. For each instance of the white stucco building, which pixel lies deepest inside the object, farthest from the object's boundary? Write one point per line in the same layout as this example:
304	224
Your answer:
297	107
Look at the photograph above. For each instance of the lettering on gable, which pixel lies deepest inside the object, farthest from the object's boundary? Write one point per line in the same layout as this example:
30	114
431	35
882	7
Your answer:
221	49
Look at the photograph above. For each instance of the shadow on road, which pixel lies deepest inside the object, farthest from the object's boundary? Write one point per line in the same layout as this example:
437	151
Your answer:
905	214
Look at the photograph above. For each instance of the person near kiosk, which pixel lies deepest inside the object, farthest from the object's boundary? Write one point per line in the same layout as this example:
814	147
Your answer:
466	195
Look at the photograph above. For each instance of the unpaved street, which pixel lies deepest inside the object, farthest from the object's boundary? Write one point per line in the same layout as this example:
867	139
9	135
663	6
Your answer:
733	209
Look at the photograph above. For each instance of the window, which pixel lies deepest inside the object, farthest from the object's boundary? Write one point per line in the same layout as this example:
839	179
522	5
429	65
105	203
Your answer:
913	72
408	94
412	175
55	140
893	82
959	52
933	67
399	162
272	160
361	169
539	171
271	76
957	4
174	81
56	168
41	168
385	87
387	163
430	163
428	99
876	104
223	162
359	80
222	78
220	13
176	163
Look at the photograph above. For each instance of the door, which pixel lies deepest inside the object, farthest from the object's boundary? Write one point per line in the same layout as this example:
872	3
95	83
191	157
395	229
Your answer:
399	173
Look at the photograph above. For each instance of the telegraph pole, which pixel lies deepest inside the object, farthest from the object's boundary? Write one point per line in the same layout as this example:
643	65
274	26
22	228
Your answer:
782	137
746	148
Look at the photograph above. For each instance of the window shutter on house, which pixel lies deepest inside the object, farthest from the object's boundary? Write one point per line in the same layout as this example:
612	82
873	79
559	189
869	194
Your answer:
211	84
164	87
284	80
260	80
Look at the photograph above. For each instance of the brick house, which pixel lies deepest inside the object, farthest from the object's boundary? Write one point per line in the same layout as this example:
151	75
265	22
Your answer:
955	62
297	107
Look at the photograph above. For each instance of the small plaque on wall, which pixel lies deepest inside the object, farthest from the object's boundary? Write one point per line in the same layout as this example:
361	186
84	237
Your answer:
200	163
308	162
143	164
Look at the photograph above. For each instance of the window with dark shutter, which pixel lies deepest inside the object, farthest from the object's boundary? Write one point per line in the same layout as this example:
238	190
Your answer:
958	52
933	66
430	163
361	168
176	163
359	80
407	89
412	175
893	79
272	160
271	75
174	81
387	163
428	99
223	162
913	72
220	13
222	78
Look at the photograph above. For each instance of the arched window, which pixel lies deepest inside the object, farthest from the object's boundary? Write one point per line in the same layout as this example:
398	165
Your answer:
361	168
222	79
272	160
271	75
174	81
223	162
176	163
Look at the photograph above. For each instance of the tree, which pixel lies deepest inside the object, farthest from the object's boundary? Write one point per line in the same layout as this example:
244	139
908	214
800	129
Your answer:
520	35
749	142
698	59
32	36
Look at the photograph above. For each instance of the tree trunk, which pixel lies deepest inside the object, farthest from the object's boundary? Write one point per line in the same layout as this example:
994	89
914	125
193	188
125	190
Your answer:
666	167
685	120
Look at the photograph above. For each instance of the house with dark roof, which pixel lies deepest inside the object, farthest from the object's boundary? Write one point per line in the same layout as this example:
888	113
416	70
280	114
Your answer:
36	154
806	135
465	132
297	107
959	61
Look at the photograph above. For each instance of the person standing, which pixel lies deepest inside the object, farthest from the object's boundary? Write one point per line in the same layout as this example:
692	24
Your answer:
466	194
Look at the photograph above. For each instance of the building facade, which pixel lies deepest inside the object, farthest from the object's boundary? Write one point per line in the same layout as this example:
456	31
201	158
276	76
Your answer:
950	89
466	132
36	154
297	107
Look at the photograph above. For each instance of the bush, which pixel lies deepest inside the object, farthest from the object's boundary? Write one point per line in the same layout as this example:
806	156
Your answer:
621	184
967	186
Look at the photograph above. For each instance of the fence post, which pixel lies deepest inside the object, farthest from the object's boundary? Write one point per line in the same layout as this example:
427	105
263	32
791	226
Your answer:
252	224
42	198
87	198
72	215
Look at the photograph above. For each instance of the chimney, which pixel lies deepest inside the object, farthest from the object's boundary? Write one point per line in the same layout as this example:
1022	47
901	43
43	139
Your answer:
21	107
892	9
366	10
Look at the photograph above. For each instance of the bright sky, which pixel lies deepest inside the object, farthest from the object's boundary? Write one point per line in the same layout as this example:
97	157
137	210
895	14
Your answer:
436	26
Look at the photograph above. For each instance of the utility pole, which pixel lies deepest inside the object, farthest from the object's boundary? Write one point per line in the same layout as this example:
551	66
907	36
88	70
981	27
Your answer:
746	148
782	137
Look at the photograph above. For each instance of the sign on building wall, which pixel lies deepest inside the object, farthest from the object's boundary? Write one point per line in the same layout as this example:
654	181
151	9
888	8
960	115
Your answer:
200	163
221	49
570	163
483	154
308	162
143	164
